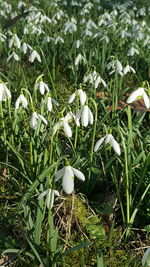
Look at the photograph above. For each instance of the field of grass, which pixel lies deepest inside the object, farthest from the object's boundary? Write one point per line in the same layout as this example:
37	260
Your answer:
75	134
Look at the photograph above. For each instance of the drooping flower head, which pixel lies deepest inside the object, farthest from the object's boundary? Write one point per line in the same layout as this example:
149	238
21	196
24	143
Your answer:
67	173
49	193
137	94
35	118
108	138
4	92
81	94
21	100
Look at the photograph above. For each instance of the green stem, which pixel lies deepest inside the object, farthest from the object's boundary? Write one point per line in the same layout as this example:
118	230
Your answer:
127	184
3	122
93	141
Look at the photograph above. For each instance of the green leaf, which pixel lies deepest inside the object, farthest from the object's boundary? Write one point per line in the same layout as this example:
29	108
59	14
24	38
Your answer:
12	250
100	262
39	219
75	248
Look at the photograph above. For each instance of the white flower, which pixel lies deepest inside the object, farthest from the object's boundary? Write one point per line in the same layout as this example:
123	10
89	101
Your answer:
146	258
14	56
139	93
67	173
25	47
34	55
59	39
51	100
63	122
127	69
42	87
49	193
95	79
34	120
21	100
79	59
82	95
132	51
108	139
4	92
49	104
86	116
116	66
15	41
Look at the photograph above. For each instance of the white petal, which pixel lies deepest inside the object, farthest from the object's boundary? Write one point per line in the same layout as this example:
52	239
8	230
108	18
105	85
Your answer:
146	100
78	174
49	104
41	88
108	138
8	93
67	129
24	101
33	121
71	98
59	174
68	182
134	95
115	145
17	103
42	118
98	143
85	116
90	115
56	193
77	117
82	96
44	193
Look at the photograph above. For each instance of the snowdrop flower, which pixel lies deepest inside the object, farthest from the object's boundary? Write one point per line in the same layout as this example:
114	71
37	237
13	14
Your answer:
50	100
98	81
14	56
95	79
78	43
21	4
34	120
82	95
63	123
49	193
79	59
21	100
4	92
25	47
132	51
67	173
34	55
137	94
86	116
108	138
42	87
15	41
59	40
127	69
116	66
146	258
70	26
